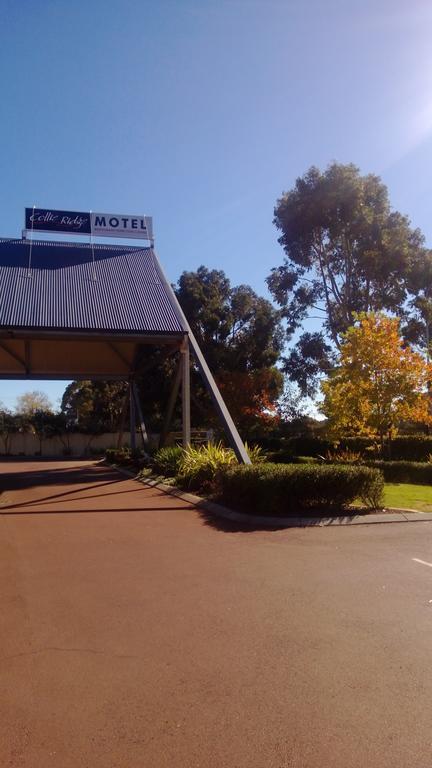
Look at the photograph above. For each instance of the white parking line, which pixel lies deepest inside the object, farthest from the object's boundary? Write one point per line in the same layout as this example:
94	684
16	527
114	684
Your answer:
423	562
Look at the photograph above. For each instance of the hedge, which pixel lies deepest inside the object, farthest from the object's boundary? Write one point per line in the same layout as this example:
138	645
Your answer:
285	456
125	457
275	489
411	448
404	471
118	455
403	447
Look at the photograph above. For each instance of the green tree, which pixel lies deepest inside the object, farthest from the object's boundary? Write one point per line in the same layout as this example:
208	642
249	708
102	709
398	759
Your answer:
346	251
241	336
29	402
235	328
417	327
93	406
44	424
10	424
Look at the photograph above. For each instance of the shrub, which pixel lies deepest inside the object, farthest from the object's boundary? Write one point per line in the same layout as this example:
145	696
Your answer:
343	456
124	456
255	453
166	461
274	489
200	465
118	455
372	493
404	471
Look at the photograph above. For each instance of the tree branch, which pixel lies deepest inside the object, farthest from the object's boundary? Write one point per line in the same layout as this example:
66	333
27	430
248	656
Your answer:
327	297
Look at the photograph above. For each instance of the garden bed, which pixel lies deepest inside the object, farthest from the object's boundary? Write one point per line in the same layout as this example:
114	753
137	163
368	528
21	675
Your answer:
272	490
402	502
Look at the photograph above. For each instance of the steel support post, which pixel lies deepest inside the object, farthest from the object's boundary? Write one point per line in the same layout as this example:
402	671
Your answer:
185	366
122	421
142	426
171	403
132	417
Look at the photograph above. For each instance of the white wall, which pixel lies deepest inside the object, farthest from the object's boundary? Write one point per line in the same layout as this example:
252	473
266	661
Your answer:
27	444
81	445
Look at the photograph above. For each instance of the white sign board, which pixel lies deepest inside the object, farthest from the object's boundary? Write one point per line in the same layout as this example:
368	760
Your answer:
119	225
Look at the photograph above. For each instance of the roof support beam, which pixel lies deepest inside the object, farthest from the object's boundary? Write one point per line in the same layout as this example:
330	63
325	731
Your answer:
62	376
66	334
27	348
122	421
132	421
171	403
140	355
12	354
119	354
141	423
186	420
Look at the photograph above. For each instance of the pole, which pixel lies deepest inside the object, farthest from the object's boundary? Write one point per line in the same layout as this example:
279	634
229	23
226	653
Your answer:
141	424
122	421
171	403
185	365
132	415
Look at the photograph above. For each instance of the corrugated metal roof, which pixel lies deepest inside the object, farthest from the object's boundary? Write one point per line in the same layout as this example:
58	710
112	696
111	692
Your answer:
61	292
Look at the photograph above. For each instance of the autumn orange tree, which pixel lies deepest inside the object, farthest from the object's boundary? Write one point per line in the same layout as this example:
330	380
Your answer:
378	382
251	397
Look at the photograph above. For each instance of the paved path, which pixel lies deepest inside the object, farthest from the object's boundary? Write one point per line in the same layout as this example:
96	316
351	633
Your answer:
134	633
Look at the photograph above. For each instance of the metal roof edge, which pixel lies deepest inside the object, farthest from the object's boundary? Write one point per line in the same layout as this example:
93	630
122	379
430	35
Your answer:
68	244
175	304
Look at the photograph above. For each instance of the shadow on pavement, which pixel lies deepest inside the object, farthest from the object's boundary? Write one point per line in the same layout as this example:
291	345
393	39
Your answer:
231	526
56	497
28	478
5	511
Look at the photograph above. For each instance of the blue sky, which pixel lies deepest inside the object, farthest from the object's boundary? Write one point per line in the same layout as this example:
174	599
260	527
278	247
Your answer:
201	113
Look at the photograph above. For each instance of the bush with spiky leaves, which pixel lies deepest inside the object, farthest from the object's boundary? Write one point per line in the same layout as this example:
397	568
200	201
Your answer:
199	465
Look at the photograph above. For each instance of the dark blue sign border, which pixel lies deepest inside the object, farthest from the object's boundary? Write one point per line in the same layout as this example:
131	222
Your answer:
50	220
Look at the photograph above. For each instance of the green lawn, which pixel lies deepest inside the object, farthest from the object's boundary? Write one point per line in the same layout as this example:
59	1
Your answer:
408	496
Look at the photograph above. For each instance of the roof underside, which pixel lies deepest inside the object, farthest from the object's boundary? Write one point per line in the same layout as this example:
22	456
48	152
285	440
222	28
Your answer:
120	292
68	311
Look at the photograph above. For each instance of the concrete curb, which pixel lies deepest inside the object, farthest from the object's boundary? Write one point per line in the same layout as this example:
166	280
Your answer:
394	515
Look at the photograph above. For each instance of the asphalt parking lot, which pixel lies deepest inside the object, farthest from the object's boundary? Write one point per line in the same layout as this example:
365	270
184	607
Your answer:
136	631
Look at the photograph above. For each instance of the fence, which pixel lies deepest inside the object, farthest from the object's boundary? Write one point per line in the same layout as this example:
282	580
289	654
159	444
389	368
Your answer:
78	444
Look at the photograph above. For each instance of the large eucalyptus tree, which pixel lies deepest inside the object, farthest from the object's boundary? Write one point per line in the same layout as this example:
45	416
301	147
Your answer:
346	251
